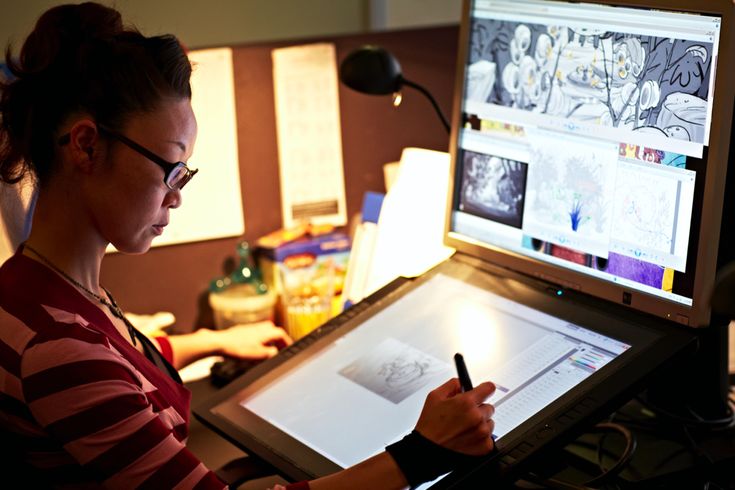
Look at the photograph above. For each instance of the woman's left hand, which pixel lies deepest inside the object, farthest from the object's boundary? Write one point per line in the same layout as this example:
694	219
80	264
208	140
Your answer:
253	341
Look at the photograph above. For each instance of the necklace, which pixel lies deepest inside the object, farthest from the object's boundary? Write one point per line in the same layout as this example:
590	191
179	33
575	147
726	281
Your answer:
111	304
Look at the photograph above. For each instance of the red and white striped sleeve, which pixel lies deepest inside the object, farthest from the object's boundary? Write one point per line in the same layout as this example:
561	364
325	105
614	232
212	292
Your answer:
90	398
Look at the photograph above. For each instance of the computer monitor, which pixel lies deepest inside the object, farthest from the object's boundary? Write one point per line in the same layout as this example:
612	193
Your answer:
590	146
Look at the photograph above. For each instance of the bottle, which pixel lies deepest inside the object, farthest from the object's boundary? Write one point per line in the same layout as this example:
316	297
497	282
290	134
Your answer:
246	273
241	297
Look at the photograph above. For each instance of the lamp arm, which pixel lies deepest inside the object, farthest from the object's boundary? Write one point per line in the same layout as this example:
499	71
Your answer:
431	99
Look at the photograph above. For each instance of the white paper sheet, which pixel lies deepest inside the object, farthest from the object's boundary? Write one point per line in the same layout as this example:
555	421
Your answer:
410	232
212	201
309	135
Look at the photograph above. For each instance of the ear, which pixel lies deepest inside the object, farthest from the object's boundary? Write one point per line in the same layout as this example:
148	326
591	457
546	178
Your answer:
83	144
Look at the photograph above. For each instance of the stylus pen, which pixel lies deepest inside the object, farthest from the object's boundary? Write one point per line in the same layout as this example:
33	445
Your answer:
464	376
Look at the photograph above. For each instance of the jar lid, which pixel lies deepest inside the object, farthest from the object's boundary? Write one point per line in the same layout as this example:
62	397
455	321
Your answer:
236	298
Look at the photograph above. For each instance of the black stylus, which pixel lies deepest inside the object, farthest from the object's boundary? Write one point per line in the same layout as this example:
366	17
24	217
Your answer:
464	376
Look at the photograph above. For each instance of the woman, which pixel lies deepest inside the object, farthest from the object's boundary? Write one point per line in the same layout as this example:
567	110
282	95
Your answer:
101	117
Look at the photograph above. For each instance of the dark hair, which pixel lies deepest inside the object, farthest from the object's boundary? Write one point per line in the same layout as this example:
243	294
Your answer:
81	58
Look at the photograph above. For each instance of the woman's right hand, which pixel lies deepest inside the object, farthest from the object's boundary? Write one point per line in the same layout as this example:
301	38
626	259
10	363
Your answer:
455	420
460	421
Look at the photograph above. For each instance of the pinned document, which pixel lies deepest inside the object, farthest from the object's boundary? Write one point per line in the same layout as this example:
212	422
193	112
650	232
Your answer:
212	203
309	135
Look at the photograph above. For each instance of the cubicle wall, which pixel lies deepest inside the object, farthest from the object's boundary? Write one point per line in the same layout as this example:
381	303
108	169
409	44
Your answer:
175	278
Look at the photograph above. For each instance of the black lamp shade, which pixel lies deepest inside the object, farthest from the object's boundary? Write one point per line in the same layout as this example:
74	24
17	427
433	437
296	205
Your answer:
371	70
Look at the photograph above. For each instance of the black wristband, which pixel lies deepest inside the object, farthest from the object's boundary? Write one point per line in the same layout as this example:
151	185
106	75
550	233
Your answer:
421	460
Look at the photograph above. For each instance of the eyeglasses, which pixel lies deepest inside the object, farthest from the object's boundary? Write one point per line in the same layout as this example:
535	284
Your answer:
175	175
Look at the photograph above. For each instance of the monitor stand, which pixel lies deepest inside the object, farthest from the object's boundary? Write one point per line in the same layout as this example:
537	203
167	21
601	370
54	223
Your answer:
700	384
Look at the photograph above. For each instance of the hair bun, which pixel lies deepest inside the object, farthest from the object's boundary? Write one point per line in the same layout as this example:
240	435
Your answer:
81	58
83	22
61	30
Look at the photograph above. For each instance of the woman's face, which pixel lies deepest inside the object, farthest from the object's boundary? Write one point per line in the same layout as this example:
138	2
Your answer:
130	204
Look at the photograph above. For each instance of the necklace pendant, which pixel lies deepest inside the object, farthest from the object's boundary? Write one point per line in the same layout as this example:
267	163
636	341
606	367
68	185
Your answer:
116	312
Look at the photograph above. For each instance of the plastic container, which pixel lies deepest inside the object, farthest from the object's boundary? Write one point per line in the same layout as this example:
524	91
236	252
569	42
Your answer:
240	303
307	297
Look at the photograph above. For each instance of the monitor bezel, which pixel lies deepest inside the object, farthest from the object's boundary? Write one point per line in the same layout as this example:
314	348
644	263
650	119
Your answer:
697	315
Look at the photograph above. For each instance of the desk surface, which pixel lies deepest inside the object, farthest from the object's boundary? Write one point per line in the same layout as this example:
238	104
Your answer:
667	455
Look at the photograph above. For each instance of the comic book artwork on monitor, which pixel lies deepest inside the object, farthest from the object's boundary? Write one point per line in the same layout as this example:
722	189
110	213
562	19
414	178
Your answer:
584	150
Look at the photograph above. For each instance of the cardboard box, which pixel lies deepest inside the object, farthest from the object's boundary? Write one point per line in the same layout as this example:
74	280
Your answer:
307	252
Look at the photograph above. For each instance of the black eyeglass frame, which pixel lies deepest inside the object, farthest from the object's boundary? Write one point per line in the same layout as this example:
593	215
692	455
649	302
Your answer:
168	167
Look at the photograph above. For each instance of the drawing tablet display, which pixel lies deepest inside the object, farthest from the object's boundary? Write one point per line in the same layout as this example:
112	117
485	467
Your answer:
360	383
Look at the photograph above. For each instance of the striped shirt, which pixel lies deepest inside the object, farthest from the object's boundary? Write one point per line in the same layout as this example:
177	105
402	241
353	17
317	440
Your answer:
79	406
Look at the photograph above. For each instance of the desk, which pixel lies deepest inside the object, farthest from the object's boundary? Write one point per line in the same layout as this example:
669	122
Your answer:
667	456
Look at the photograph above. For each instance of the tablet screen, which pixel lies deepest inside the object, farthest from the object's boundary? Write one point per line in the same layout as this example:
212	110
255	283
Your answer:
366	389
358	384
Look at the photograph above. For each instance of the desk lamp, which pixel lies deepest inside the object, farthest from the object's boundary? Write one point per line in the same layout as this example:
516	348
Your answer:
375	71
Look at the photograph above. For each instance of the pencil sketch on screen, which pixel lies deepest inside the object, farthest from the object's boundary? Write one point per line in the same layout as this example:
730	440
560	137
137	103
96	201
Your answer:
395	370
